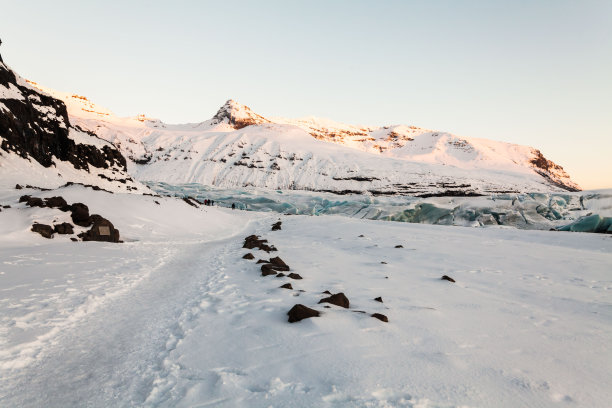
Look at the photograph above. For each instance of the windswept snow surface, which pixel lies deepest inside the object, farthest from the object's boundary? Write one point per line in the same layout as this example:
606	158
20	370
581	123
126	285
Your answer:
175	317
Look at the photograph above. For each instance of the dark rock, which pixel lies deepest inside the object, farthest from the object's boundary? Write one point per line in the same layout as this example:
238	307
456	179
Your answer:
57	202
280	275
338	299
378	299
358	311
383	262
6	206
101	230
253	241
327	307
266	270
63	228
43	229
80	214
31	201
381	317
294	276
276	226
448	278
361	236
399	246
262	261
279	264
327	292
18	187
248	256
74	239
301	312
287	286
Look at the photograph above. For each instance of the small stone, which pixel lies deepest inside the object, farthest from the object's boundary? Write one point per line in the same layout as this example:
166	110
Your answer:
294	276
18	187
361	236
383	262
280	275
381	317
276	226
80	215
327	292
399	246
43	229
339	299
57	202
74	239
265	271
448	278
287	286
248	256
378	299
64	228
262	261
301	312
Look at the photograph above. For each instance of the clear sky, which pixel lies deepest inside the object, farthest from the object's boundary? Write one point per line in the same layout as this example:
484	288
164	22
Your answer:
530	72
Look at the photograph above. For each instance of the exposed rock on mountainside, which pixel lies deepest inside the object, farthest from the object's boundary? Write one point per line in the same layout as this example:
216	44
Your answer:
35	125
237	115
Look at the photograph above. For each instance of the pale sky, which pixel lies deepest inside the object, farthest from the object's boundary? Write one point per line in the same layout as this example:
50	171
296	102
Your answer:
537	73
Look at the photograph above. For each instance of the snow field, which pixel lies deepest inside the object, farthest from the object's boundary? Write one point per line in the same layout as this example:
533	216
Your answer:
176	317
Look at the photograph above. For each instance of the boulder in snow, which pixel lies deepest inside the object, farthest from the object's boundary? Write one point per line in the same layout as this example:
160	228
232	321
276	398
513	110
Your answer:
301	312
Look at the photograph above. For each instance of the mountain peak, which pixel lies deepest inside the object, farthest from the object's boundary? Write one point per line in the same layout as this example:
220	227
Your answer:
238	115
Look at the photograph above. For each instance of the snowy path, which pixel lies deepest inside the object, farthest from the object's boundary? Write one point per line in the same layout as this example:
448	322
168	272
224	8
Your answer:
114	352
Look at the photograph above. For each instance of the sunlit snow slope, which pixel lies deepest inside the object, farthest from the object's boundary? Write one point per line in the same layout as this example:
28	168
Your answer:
239	148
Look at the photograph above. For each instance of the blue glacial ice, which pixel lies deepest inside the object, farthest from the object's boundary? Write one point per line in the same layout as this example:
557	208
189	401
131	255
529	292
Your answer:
582	211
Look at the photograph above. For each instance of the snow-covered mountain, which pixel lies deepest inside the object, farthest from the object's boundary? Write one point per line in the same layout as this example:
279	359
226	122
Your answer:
239	148
39	144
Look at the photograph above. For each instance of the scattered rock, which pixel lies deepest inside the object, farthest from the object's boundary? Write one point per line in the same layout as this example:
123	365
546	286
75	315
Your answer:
358	311
338	299
448	278
301	312
57	202
157	202
64	228
80	214
253	241
266	270
276	226
248	256
294	276
101	230
279	264
381	317
31	201
262	261
327	292
18	187
6	206
327	307
43	229
280	275
383	262
361	236
399	246
74	239
379	299
287	286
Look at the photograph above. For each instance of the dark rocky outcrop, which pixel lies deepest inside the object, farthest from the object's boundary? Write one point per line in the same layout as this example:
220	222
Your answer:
276	226
101	230
399	246
294	276
447	278
37	126
80	214
248	255
338	299
266	270
381	317
64	228
274	266
301	312
43	229
286	286
379	299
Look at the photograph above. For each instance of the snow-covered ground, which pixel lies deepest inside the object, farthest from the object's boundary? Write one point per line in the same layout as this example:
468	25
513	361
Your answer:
175	317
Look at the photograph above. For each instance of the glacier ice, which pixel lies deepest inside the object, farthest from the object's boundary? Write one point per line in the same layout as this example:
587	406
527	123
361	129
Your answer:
585	212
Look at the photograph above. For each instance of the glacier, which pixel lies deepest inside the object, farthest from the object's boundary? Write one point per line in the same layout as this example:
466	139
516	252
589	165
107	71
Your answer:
589	211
